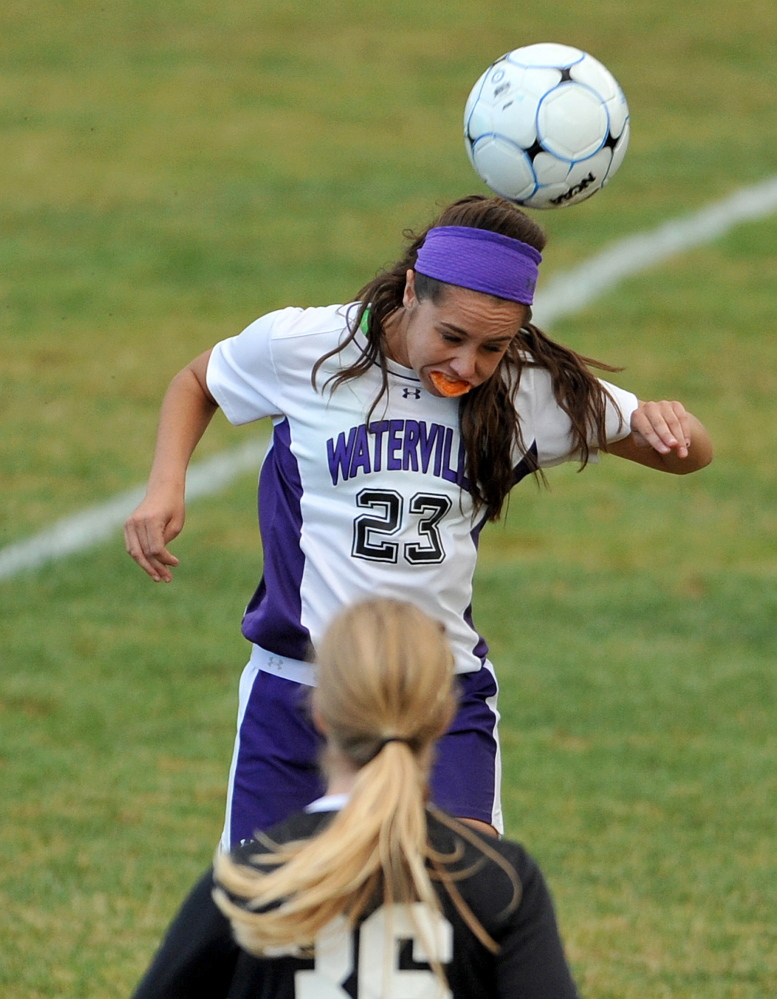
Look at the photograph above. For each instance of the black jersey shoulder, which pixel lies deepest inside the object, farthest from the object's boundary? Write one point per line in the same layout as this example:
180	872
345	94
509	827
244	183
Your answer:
492	875
493	890
300	826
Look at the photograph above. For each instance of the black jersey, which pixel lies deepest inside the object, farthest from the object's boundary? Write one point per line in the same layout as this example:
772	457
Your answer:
352	965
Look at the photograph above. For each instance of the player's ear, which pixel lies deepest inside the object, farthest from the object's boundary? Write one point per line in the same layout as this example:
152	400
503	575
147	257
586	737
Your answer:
409	297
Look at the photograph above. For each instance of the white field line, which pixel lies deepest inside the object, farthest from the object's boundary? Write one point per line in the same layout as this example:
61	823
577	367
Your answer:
562	296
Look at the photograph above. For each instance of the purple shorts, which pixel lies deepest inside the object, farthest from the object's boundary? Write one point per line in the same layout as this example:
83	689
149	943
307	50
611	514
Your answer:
275	763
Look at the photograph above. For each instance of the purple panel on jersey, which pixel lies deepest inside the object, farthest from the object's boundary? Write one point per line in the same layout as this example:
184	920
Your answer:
277	769
464	778
481	649
526	465
273	616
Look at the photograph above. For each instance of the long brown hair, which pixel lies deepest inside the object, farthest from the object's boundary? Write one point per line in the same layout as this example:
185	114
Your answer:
384	694
489	424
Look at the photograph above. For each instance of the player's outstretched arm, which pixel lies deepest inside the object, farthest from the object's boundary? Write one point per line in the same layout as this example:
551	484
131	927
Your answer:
664	435
187	409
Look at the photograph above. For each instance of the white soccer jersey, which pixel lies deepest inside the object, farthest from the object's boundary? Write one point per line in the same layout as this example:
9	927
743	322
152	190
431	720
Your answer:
349	511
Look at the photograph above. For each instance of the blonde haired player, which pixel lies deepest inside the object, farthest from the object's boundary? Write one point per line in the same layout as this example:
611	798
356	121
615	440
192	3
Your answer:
371	892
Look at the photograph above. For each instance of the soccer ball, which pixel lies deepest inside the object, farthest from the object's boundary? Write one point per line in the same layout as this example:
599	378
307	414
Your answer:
546	126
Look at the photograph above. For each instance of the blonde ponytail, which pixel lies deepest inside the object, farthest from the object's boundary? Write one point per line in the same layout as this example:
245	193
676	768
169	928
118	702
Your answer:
385	694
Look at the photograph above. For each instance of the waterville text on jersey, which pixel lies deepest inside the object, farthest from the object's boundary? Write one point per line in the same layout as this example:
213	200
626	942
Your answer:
395	446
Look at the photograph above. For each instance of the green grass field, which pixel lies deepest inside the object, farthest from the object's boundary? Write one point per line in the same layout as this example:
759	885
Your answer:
171	172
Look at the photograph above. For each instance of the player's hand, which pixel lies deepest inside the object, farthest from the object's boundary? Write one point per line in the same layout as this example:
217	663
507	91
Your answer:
664	426
147	533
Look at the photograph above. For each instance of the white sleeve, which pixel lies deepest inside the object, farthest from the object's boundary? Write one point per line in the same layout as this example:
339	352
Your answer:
241	374
620	407
552	427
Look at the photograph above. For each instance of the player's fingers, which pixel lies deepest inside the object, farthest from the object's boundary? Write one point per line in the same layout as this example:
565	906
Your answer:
684	427
135	550
145	544
650	425
664	426
156	553
678	428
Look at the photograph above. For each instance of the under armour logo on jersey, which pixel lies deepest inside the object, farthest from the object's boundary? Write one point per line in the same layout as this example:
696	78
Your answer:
275	663
411	393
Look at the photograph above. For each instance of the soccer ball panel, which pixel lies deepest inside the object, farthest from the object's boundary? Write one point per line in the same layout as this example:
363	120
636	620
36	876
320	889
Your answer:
618	110
550	169
505	167
509	82
546	125
591	73
546	54
475	104
586	178
544	197
572	122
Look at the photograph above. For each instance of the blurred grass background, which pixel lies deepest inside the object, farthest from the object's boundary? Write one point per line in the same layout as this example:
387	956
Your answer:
171	172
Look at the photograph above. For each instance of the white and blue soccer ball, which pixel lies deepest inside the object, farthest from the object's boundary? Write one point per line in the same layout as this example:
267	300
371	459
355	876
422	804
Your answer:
546	126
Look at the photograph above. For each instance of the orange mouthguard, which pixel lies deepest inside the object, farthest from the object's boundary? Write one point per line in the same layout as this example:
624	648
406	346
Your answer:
449	387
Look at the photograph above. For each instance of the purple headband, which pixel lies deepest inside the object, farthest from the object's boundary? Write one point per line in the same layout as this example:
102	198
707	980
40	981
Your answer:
481	260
